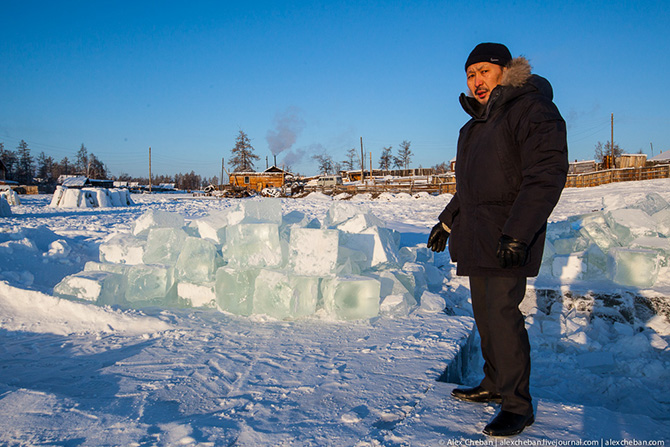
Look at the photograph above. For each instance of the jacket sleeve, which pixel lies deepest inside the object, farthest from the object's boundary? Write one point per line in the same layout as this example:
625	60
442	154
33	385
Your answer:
449	213
543	152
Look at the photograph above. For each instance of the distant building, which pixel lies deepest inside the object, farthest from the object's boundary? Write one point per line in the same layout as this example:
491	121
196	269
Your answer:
272	177
662	158
582	167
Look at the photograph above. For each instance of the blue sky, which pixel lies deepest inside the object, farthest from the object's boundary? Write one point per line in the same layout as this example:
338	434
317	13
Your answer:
184	77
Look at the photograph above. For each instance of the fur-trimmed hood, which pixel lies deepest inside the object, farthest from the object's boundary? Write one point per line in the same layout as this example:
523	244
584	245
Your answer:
517	80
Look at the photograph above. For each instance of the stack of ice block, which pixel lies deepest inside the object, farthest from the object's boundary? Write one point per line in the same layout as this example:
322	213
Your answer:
626	245
251	259
65	197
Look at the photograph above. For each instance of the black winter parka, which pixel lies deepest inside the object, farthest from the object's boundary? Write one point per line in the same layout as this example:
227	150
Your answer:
511	166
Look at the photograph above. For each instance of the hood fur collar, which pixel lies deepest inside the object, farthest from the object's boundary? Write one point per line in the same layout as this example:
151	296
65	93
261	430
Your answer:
517	73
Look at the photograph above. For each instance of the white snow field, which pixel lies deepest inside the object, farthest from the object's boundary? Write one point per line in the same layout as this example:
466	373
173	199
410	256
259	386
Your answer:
181	368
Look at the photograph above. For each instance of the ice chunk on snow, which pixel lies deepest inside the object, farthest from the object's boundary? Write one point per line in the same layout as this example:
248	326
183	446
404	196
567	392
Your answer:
595	228
629	224
197	261
96	286
280	295
650	204
339	212
351	297
197	295
264	210
122	248
5	209
397	300
213	227
432	302
157	219
662	219
598	362
11	196
253	245
414	278
634	267
420	254
93	266
164	245
378	245
567	245
313	251
234	290
151	284
359	222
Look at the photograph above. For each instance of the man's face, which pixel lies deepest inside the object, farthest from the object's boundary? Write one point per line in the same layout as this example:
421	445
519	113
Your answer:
482	79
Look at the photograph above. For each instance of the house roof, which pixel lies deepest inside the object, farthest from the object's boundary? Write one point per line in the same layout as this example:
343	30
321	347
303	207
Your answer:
663	156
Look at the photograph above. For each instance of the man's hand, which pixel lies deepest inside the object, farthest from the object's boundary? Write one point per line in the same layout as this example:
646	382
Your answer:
437	241
512	252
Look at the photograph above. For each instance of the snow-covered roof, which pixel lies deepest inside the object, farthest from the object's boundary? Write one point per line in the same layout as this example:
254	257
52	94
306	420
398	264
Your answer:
75	181
663	156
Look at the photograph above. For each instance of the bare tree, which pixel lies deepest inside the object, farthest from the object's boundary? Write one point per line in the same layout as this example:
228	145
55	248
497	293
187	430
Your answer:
603	150
352	161
386	159
325	163
404	157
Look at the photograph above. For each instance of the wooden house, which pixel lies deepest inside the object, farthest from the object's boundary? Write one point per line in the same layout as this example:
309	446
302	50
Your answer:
272	177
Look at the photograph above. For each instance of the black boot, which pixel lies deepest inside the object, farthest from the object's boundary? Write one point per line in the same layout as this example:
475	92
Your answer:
476	394
508	424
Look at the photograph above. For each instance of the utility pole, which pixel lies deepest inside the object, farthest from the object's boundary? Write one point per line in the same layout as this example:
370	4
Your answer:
371	177
221	179
149	169
612	144
652	149
362	161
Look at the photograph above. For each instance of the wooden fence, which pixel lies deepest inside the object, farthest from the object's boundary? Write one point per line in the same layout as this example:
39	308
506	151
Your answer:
617	175
448	186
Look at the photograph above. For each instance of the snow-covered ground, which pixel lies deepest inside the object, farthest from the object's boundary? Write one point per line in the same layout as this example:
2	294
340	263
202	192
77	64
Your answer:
78	374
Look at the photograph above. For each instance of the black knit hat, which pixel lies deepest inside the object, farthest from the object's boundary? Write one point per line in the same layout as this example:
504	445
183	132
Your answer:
495	53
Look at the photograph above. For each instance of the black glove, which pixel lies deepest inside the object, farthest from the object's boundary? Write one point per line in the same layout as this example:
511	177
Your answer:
437	241
511	252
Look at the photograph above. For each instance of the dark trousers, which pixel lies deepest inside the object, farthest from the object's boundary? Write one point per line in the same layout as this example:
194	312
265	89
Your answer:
505	346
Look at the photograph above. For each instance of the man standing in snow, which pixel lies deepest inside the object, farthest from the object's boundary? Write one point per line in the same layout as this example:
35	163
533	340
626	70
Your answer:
511	167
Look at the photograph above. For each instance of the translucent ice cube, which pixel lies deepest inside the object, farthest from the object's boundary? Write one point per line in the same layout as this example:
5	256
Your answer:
150	284
629	224
339	212
120	269
235	290
281	295
413	275
253	245
164	245
595	228
157	219
197	261
634	266
122	248
265	210
567	245
96	286
662	219
313	251
359	222
5	209
351	297
378	245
